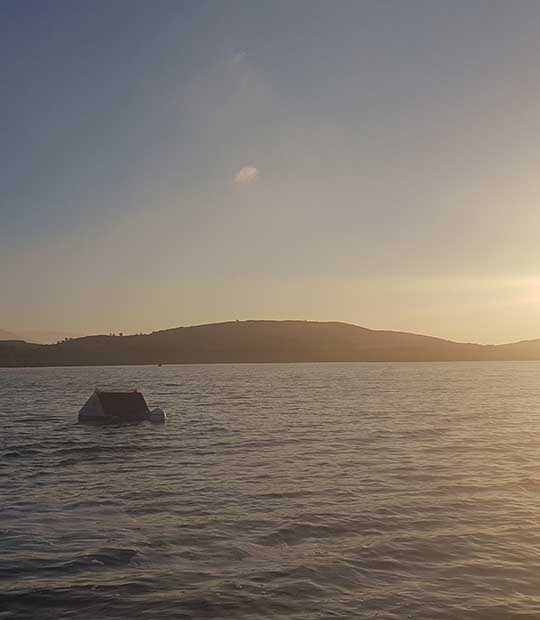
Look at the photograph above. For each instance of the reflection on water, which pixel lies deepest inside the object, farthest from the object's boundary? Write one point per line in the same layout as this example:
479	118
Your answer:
275	491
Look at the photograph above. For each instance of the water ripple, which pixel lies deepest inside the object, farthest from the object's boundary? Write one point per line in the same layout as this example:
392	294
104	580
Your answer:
302	491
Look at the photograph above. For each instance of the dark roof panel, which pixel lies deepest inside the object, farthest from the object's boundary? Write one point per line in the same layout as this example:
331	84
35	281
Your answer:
124	405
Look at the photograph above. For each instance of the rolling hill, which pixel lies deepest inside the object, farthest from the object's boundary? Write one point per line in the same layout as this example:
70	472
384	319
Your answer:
37	336
5	335
258	341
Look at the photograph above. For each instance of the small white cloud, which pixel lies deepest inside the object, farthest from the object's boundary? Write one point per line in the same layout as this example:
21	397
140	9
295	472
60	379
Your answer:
247	174
238	57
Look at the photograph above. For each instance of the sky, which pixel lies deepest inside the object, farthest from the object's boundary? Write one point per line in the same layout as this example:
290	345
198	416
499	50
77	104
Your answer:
171	163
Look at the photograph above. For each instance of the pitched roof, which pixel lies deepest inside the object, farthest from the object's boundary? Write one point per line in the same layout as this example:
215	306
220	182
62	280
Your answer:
125	405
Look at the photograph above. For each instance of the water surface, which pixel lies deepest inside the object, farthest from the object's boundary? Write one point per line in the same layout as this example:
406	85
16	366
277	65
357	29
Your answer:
301	491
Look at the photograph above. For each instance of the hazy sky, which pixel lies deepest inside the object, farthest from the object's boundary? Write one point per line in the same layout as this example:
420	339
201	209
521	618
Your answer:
170	163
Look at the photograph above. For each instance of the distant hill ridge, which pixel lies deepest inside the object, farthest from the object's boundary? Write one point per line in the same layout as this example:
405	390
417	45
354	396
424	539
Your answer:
5	335
258	342
37	336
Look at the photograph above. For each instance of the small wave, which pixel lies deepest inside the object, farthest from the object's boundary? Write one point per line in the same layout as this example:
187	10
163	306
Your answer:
296	533
107	557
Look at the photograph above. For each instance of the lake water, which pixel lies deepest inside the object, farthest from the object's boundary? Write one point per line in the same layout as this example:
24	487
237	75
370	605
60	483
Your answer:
302	491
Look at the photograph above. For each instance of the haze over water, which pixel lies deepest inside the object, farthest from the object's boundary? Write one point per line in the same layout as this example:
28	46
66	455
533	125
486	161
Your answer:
286	491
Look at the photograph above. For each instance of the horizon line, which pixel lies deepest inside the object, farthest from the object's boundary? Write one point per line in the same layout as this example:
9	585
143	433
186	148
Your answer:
232	321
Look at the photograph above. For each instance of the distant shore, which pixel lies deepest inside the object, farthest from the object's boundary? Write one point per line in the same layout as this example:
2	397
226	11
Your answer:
258	342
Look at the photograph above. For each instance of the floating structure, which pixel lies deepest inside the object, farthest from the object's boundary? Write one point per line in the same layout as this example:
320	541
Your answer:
118	407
